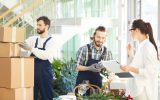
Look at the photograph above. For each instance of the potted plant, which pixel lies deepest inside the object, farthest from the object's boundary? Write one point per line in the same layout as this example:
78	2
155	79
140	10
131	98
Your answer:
65	76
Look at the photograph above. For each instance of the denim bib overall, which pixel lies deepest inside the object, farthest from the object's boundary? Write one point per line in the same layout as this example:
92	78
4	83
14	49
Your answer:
93	77
43	78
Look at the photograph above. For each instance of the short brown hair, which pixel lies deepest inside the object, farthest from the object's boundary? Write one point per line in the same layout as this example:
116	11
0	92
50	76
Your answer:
100	28
45	19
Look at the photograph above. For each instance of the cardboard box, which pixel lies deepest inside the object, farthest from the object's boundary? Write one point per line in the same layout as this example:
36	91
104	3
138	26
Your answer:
16	72
12	34
9	50
16	94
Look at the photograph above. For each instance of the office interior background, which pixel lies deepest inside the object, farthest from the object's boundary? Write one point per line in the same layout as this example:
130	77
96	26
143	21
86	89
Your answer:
74	21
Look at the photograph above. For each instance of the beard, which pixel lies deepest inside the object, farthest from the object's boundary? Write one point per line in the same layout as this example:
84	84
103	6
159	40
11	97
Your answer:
40	31
98	43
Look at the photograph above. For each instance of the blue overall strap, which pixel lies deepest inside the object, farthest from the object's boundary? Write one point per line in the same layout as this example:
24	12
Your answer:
44	44
89	52
35	47
36	43
104	53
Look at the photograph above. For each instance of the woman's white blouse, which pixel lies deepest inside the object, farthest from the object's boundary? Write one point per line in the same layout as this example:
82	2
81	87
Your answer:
147	79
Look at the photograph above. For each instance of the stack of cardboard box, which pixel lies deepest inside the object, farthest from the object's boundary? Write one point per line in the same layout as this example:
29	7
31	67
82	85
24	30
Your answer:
16	74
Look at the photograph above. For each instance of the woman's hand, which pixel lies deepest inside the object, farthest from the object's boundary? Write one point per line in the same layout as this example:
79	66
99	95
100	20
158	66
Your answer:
130	50
125	68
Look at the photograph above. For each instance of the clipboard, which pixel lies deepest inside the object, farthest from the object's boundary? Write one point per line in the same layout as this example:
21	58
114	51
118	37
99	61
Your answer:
112	65
124	75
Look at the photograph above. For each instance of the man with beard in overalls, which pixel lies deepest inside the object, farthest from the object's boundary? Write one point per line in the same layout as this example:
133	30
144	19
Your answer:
42	48
88	56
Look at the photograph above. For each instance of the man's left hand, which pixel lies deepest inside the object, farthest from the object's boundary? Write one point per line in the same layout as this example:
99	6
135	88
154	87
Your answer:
100	65
25	46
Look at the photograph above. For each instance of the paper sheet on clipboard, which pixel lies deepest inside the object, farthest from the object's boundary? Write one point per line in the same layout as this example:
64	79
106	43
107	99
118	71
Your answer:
112	65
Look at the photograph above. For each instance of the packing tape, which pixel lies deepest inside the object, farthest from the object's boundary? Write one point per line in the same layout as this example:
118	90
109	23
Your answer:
22	72
13	34
22	79
15	50
24	93
12	50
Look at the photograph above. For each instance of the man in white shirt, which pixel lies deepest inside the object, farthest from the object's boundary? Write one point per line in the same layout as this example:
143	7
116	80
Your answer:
42	48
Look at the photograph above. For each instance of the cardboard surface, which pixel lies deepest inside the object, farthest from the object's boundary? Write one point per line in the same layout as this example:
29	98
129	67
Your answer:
16	94
11	34
16	72
9	50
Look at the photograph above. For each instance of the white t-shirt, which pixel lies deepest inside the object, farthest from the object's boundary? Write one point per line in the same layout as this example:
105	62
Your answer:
47	54
147	79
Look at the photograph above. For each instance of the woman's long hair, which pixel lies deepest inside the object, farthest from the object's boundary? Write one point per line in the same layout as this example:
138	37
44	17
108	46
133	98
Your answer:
146	29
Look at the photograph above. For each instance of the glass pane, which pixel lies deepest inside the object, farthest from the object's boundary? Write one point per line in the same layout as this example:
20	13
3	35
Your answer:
87	8
70	48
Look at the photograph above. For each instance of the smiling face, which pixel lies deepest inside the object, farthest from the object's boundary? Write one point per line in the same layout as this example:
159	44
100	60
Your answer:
99	38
